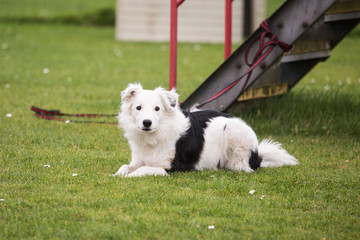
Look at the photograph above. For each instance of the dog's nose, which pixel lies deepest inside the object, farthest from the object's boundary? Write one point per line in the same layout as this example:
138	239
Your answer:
147	123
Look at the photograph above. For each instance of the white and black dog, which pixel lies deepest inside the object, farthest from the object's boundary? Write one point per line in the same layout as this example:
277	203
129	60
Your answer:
165	139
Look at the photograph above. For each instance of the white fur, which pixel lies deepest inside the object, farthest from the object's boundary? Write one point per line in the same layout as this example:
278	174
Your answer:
228	141
274	155
226	146
154	148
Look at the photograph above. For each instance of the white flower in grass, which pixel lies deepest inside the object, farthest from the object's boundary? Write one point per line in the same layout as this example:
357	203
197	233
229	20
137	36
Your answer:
2	200
9	115
67	121
252	192
19	36
74	174
340	83
46	71
210	227
313	80
196	47
118	52
262	197
348	80
327	78
326	88
4	46
47	165
7	85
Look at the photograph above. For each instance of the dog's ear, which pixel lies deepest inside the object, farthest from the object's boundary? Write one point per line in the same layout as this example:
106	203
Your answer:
130	91
173	97
170	98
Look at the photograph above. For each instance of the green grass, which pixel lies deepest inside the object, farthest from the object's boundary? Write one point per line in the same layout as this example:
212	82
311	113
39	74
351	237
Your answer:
317	199
51	8
76	12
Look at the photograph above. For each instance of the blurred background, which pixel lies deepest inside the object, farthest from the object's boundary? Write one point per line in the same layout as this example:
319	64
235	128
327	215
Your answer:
149	17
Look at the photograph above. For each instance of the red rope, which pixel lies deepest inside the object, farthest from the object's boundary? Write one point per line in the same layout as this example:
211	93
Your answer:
50	115
59	113
265	49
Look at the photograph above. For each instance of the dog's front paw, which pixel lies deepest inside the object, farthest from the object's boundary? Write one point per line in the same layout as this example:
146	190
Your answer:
146	171
124	170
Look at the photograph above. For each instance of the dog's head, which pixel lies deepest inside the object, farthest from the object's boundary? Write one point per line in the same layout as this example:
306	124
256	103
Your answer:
144	109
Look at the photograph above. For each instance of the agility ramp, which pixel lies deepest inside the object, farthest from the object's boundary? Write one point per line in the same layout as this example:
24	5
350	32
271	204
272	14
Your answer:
313	28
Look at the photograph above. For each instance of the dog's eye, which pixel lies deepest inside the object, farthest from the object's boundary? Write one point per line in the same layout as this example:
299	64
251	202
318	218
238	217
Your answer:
138	108
157	108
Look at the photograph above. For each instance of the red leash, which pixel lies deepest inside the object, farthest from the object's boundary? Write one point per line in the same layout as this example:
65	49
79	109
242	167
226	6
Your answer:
52	115
265	49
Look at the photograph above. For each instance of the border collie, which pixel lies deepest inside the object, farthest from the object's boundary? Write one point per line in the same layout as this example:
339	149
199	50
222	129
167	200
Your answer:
164	139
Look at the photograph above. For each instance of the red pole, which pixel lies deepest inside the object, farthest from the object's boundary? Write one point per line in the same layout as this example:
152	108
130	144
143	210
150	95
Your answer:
228	26
173	41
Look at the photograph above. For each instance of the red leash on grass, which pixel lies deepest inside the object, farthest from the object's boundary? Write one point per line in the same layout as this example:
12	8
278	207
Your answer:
264	51
57	114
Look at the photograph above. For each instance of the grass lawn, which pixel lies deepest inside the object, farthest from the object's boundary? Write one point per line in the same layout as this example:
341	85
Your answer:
317	122
50	8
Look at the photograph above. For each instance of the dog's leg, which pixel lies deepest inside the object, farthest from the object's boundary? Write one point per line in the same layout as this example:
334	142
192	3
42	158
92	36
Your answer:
239	160
146	170
241	139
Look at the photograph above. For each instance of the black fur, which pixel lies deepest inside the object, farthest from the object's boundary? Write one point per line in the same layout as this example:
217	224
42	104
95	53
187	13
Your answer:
190	145
254	160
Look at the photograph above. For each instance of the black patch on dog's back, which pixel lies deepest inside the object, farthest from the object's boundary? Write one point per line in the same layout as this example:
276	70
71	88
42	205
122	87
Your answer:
190	145
254	160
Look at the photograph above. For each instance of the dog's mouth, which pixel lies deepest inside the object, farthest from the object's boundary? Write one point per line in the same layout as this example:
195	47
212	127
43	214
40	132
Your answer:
145	129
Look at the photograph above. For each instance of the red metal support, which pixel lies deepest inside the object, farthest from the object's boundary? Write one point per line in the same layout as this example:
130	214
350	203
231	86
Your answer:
228	26
173	41
179	2
173	36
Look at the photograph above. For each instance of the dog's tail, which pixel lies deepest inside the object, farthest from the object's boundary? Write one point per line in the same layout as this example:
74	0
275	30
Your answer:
273	155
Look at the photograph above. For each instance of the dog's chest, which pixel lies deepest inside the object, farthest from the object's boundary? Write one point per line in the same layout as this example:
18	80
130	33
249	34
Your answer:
157	156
